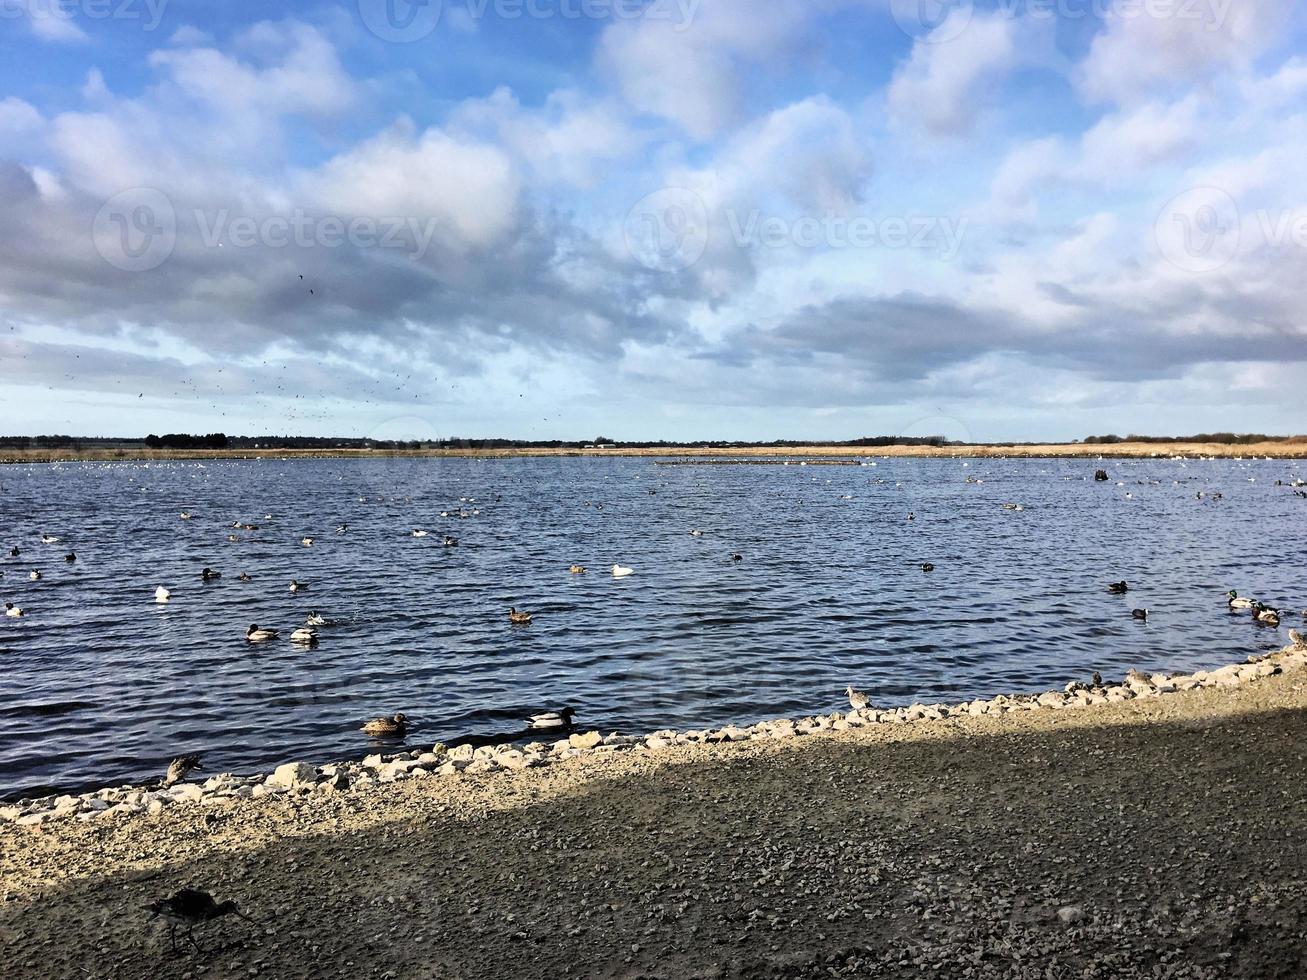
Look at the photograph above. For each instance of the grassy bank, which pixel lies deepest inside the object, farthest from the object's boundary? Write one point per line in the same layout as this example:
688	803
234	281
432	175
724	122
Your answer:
1151	837
1285	449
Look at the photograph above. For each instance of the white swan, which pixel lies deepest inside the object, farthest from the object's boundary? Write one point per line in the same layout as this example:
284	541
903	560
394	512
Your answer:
621	571
161	594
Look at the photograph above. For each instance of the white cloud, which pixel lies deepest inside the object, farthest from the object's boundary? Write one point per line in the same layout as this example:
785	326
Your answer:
943	85
1146	48
1150	134
51	21
17	116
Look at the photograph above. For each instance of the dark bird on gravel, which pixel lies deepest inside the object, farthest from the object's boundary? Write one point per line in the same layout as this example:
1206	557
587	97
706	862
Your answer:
1118	588
1139	613
181	767
394	725
190	908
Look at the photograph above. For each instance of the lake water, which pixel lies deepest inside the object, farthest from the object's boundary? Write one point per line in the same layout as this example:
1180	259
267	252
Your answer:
102	685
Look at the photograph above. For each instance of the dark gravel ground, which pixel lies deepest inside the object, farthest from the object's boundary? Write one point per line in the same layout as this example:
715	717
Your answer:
1170	833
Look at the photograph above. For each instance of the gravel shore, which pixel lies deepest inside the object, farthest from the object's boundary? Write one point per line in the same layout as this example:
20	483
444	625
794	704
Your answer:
1154	837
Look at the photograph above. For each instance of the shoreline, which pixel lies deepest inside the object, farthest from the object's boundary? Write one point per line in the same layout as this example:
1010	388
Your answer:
1287	449
379	768
1159	835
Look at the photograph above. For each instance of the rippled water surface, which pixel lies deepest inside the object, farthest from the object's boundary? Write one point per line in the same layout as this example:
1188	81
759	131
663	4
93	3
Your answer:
101	684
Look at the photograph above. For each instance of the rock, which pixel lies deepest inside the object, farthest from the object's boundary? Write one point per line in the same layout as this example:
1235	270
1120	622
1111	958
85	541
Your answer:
10	813
291	775
463	753
186	791
375	761
656	742
35	819
514	760
1070	913
587	741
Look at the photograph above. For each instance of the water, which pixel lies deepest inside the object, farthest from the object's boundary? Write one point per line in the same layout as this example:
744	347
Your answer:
103	685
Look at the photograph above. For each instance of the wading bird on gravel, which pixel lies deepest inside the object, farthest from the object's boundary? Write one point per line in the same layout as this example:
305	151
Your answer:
191	908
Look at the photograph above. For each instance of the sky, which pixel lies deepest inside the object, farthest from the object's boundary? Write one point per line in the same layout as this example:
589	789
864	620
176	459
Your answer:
653	219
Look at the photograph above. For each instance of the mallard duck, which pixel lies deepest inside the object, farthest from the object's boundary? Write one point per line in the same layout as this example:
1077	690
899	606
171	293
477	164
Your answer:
296	586
180	768
1096	680
927	566
209	575
161	594
1236	602
577	569
305	634
1139	613
34	575
394	725
552	719
520	618
12	610
1265	615
256	635
621	571
49	539
1118	588
857	699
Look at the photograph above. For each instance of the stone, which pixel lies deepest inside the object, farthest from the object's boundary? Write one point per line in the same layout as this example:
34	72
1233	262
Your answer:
514	760
587	741
291	775
1070	913
656	742
374	761
35	819
186	791
463	753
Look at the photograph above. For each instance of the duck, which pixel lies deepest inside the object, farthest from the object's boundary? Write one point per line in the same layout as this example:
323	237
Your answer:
307	542
912	516
696	533
209	575
1141	614
342	529
14	552
181	767
552	719
520	618
186	515
421	534
305	634
315	618
621	571
13	611
256	635
34	575
1297	639
1237	602
70	557
450	541
1265	615
244	577
1119	588
857	699
161	594
927	566
737	557
297	586
577	569
394	725
49	539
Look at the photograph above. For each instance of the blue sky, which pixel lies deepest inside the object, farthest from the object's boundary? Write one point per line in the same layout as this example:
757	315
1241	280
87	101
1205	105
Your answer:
687	219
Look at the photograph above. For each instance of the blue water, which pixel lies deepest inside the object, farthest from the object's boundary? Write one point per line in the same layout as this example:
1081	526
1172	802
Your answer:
102	685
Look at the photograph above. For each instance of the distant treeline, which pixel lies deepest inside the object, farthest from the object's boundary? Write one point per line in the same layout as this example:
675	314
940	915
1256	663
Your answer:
179	440
1221	438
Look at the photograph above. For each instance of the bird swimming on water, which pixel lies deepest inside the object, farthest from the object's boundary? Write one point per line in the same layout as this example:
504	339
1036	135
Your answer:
209	575
552	719
49	539
621	571
34	575
70	557
1118	588
927	566
256	635
190	908
394	725
1237	602
577	569
14	552
1265	615
13	611
161	594
244	577
520	618
305	635
297	586
1139	613
181	767
857	699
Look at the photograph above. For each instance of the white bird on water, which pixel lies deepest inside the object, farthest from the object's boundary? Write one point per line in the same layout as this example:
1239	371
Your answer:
34	575
296	586
621	571
49	539
307	542
12	610
552	719
256	635
161	594
304	634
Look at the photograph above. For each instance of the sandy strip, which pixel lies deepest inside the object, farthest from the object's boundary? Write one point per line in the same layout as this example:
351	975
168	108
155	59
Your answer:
1295	448
1160	836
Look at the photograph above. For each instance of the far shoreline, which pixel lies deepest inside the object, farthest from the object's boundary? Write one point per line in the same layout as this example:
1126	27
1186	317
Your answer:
1285	449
